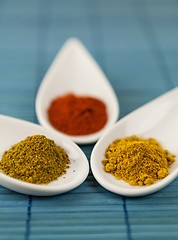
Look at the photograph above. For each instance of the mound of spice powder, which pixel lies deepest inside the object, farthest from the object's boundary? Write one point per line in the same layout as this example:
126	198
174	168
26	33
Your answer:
77	115
36	159
137	161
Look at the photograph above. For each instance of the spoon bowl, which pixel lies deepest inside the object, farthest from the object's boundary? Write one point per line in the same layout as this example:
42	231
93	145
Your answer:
14	130
75	71
157	119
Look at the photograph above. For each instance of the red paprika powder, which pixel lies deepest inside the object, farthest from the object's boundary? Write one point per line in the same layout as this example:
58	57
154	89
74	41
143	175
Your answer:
77	115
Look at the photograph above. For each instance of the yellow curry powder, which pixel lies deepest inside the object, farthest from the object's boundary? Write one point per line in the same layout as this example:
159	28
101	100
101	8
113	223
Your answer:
36	159
137	161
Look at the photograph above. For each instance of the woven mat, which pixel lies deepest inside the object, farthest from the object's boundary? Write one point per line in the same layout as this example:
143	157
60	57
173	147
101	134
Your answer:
135	43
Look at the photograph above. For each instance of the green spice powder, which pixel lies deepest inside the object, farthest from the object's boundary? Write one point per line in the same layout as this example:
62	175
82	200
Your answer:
36	159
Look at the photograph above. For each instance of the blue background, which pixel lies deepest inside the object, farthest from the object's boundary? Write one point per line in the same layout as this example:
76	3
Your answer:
136	44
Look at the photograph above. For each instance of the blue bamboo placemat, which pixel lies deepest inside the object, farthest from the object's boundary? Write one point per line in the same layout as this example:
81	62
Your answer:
135	43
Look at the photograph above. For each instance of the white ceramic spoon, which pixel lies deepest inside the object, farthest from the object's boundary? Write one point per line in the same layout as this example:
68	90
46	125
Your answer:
14	130
157	119
74	70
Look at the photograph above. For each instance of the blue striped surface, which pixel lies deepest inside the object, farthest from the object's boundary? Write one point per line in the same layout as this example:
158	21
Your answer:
136	44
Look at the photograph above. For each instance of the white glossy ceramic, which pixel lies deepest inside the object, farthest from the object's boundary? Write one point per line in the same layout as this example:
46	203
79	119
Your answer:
14	130
74	70
157	119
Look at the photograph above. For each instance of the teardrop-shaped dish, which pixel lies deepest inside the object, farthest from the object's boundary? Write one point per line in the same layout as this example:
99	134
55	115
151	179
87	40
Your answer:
14	130
75	71
157	119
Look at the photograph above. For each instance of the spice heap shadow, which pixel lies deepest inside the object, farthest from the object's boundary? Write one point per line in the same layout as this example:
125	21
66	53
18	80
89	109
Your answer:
36	159
77	115
137	161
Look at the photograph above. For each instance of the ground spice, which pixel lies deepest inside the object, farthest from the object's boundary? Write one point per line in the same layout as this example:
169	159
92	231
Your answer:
36	159
137	161
77	115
